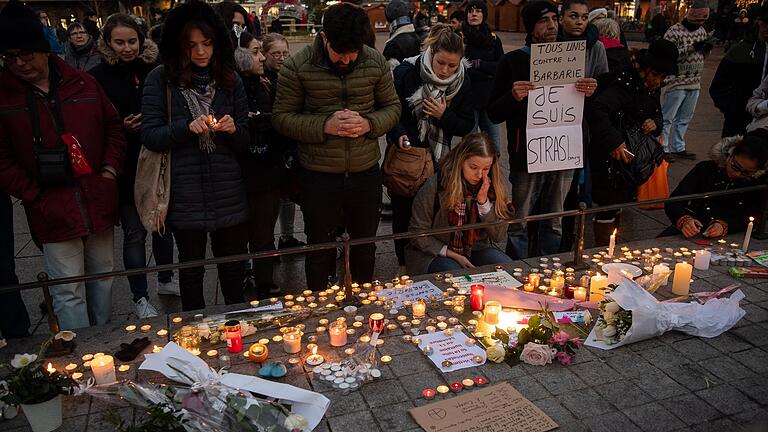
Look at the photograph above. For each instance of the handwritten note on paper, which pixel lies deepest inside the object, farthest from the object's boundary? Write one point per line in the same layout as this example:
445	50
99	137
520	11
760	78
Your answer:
555	108
499	408
417	290
499	278
451	347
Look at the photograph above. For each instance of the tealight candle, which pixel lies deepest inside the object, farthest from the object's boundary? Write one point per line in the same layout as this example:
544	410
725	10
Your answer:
130	328
467	383
162	332
442	390
176	320
456	387
70	367
212	353
124	368
349	351
428	394
156	349
77	375
386	359
87	357
146	328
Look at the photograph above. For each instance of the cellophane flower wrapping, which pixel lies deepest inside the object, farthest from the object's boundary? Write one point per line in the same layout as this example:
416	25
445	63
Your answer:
652	318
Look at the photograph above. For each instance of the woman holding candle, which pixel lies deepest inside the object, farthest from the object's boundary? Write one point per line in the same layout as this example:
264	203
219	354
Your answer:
203	126
468	188
735	162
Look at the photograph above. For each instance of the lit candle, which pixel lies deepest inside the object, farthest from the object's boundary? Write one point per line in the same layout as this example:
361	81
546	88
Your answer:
124	368
419	308
528	287
155	349
103	368
477	297
376	324
597	286
534	279
234	339
315	359
77	375
580	294
50	369
292	340
443	390
428	394
162	332
130	328
612	243
748	234
491	313
146	328
337	332
660	269
70	367
212	353
682	282
176	320
702	259
386	359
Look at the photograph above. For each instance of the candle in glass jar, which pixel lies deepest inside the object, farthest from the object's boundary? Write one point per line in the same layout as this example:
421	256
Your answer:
597	286
234	339
103	368
580	294
702	259
477	297
419	308
534	279
292	340
492	312
337	332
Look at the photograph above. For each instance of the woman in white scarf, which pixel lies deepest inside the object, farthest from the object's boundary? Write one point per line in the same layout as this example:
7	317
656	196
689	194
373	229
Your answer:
437	106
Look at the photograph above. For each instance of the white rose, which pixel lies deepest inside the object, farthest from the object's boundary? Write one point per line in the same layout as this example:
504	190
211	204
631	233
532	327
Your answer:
21	360
609	331
536	354
296	421
608	316
612	307
496	353
65	335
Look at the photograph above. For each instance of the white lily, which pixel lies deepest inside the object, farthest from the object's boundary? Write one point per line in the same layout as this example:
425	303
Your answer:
21	360
65	335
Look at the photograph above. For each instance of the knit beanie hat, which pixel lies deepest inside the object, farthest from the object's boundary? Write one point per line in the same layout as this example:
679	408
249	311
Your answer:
477	4
597	14
396	9
661	56
535	10
20	28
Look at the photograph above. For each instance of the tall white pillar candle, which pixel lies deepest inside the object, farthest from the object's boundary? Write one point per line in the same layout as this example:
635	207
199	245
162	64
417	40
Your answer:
681	284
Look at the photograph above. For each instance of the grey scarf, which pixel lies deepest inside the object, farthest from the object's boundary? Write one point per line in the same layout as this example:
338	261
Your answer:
200	104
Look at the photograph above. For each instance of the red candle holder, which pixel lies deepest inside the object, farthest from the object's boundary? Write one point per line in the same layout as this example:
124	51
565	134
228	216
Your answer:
480	381
476	297
568	293
234	339
376	322
456	387
428	394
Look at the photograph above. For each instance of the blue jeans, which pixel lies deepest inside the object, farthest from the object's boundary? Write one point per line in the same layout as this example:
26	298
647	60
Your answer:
81	304
135	251
549	190
481	257
14	319
677	111
483	123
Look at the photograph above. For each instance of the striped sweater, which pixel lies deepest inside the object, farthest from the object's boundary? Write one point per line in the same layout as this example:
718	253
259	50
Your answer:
690	62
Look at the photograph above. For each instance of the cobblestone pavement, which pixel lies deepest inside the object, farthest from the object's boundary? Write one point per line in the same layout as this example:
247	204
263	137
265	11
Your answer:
671	383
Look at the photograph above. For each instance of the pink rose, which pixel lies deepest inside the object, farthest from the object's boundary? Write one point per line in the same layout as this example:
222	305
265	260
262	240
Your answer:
564	358
560	338
536	354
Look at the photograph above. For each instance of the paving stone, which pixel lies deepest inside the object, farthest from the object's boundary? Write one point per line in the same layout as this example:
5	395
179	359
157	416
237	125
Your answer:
585	403
690	409
659	386
416	383
755	359
500	372
623	394
358	421
631	365
407	364
728	343
664	357
755	420
395	417
754	294
717	425
694	377
559	381
345	403
727	399
646	345
555	411
611	422
396	346
529	387
595	372
653	418
755	313
725	368
380	393
674	336
754	334
695	349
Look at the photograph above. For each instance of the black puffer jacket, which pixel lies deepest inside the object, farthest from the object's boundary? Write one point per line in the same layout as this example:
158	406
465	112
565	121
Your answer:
482	46
403	44
207	191
502	107
458	118
124	83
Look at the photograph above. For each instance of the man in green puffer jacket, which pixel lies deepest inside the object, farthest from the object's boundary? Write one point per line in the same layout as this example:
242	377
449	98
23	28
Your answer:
335	98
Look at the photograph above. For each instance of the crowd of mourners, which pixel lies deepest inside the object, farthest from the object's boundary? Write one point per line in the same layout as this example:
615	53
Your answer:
241	131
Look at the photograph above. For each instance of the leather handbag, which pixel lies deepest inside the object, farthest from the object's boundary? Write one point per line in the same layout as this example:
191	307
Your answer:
405	170
152	189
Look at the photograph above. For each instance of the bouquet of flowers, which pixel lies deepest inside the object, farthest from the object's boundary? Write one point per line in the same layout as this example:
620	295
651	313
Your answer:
631	314
540	343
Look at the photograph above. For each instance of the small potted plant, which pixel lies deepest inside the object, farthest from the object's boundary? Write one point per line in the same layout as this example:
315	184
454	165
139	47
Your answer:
37	389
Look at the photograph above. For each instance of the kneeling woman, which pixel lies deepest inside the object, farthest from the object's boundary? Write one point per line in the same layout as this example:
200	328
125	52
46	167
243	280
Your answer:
467	189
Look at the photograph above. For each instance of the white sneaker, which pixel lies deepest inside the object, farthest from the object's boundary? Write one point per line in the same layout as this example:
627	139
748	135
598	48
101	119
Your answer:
169	288
144	309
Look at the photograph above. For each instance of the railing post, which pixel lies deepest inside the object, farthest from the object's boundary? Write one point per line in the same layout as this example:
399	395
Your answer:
761	232
348	294
578	248
57	347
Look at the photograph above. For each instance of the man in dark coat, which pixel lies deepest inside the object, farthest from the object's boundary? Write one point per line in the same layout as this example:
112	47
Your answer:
403	41
69	191
738	75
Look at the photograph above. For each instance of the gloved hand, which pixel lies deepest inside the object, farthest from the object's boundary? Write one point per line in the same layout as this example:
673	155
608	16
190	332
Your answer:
703	47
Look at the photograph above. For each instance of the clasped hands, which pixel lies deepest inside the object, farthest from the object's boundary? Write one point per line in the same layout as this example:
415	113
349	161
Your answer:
347	123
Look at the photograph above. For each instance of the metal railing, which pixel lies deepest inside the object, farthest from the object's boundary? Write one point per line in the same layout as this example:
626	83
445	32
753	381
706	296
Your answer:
44	282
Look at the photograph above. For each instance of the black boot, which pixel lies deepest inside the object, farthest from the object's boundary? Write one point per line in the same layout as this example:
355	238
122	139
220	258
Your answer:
604	226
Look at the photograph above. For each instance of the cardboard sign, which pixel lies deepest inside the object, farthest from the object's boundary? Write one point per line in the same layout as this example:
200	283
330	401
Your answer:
498	278
451	347
498	408
418	290
558	62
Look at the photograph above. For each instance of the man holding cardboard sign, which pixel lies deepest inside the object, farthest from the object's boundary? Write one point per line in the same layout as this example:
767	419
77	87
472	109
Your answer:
541	166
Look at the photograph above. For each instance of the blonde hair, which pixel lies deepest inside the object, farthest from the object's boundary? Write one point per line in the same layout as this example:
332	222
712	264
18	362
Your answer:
441	37
270	39
608	27
451	173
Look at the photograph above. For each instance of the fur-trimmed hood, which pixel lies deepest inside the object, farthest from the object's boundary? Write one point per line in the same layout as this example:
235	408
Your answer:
148	53
721	151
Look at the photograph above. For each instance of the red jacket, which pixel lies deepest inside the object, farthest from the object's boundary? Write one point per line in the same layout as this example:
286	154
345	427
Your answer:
89	205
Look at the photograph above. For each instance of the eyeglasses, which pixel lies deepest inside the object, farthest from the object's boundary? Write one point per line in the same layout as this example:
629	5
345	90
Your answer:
10	57
78	33
278	54
738	168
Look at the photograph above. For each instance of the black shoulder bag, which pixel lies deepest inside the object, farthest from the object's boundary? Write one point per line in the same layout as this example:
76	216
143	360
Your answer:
53	163
648	155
